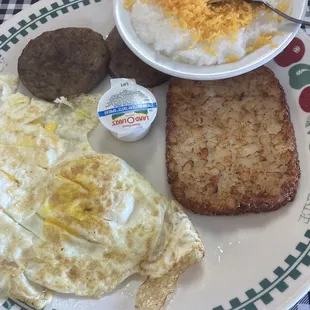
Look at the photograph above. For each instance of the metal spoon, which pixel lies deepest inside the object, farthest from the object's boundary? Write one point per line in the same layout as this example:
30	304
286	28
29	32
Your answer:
271	7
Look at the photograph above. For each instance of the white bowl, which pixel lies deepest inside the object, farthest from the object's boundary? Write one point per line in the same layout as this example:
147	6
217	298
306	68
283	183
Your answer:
214	72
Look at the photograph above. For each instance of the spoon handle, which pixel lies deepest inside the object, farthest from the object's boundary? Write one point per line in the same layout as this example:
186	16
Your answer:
292	19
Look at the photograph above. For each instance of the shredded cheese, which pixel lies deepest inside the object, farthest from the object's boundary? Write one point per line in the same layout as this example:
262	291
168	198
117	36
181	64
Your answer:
128	4
210	50
207	22
231	59
284	6
263	40
196	39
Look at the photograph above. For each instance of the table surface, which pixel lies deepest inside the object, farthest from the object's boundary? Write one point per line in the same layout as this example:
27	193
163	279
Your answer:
8	8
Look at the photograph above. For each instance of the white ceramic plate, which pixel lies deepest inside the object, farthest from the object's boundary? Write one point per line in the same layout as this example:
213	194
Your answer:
182	70
252	262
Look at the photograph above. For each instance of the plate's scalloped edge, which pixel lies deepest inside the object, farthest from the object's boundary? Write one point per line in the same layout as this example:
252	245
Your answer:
293	263
10	303
264	295
278	284
33	21
55	9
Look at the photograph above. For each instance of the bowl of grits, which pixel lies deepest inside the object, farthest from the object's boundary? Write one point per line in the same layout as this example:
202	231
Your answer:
198	40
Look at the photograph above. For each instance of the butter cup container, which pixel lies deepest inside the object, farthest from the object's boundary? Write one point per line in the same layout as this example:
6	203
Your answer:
127	110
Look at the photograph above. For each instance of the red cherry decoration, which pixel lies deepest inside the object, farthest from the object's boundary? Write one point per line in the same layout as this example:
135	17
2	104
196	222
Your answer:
293	53
304	99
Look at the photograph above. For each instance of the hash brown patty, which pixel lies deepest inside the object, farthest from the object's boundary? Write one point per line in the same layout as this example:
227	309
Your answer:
231	146
63	62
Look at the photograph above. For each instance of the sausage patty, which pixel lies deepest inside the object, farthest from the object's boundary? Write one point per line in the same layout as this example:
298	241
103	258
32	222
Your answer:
63	62
125	64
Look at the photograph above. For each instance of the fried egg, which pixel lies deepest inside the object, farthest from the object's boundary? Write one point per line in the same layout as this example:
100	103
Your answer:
76	117
42	132
21	185
8	86
103	222
30	144
14	241
81	222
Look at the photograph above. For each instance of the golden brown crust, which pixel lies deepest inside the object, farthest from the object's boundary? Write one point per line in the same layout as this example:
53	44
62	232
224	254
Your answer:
231	146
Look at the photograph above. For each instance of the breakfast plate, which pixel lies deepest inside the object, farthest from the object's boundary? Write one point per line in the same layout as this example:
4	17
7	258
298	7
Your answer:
252	262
